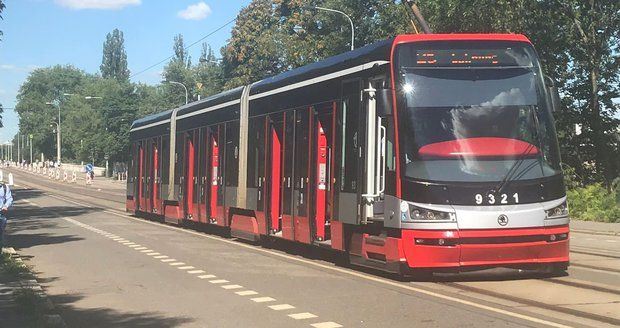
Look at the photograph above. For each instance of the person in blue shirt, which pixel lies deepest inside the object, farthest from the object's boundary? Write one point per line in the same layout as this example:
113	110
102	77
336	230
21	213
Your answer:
6	200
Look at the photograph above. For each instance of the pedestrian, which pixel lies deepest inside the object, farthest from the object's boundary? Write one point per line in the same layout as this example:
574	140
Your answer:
6	200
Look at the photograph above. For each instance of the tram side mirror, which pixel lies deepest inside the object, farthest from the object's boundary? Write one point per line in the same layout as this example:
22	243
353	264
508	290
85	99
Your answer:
553	94
384	102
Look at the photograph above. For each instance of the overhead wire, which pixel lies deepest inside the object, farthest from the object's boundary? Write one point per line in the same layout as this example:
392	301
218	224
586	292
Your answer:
187	47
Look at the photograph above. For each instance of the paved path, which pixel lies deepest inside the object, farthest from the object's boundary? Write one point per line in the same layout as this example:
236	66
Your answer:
103	268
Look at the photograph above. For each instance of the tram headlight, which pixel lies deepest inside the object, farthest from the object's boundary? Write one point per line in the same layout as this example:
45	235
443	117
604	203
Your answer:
423	214
559	211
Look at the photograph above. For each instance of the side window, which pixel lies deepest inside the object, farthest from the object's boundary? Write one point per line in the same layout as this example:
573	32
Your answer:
231	165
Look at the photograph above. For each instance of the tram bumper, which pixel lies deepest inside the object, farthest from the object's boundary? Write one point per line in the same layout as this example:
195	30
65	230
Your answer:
464	250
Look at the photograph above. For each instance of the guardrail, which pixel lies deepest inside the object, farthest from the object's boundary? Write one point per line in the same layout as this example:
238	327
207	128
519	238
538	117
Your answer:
59	174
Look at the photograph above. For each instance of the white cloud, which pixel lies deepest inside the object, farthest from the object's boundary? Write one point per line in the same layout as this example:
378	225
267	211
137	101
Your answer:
98	4
7	67
195	12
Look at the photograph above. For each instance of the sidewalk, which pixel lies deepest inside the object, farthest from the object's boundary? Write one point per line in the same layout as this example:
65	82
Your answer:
601	228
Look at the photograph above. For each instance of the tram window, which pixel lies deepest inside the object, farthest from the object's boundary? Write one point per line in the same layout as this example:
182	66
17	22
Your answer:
348	165
231	165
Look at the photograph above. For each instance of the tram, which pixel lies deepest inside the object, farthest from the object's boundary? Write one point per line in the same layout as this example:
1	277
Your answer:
428	152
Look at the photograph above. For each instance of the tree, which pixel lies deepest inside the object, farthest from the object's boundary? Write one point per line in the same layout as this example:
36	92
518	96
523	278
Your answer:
114	61
1	112
2	6
178	70
208	72
37	118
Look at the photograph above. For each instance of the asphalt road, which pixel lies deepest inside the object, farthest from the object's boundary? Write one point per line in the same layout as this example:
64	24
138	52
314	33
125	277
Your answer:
103	268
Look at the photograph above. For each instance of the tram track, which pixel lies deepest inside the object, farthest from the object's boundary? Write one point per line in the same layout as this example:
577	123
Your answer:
95	201
530	302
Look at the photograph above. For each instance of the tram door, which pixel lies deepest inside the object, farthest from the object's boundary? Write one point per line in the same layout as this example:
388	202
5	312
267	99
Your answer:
141	179
323	182
190	176
148	176
275	172
301	191
288	180
203	173
214	160
155	176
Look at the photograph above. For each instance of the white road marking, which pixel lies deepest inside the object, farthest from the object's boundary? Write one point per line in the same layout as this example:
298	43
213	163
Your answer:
134	246
153	254
281	307
168	260
263	299
189	267
302	316
177	263
146	251
160	257
611	241
246	293
140	248
195	271
328	324
218	281
232	286
206	276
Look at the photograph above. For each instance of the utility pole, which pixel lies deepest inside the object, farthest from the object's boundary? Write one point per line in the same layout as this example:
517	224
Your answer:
19	136
30	138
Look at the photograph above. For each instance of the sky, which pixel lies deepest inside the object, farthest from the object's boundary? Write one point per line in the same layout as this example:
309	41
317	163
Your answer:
41	33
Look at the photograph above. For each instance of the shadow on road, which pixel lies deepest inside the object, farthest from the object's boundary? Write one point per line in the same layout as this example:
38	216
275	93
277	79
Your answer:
105	317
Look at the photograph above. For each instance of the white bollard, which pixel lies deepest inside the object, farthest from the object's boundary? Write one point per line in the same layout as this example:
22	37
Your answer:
1	175
10	179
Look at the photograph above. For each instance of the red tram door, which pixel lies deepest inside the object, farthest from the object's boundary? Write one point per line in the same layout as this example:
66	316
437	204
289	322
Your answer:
148	176
303	171
288	180
141	199
190	177
275	172
323	191
216	199
156	180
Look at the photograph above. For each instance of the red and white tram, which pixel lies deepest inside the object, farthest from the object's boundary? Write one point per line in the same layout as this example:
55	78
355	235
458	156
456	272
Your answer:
421	152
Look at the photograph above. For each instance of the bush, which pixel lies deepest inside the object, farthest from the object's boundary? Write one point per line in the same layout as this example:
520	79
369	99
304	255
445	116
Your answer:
594	203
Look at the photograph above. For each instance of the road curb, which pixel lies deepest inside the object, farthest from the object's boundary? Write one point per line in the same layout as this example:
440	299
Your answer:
50	319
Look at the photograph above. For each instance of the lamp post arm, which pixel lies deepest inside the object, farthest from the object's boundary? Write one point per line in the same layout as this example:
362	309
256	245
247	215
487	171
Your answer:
350	22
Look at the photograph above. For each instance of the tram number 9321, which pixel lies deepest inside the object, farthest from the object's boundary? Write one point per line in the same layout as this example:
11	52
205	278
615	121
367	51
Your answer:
499	199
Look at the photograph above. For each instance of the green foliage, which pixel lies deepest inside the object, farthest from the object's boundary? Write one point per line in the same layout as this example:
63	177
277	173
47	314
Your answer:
594	203
11	268
1	112
2	6
114	61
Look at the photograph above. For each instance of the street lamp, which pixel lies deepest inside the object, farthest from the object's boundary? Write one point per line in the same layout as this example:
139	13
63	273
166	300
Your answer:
56	103
345	15
181	84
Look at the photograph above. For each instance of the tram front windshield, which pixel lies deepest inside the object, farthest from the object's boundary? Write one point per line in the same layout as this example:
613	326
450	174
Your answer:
474	112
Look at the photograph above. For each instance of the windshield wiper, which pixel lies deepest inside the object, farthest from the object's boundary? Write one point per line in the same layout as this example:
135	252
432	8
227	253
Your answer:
512	174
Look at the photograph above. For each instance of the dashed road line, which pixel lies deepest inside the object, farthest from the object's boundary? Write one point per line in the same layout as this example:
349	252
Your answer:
263	299
246	293
328	324
302	316
232	286
206	276
281	307
221	282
